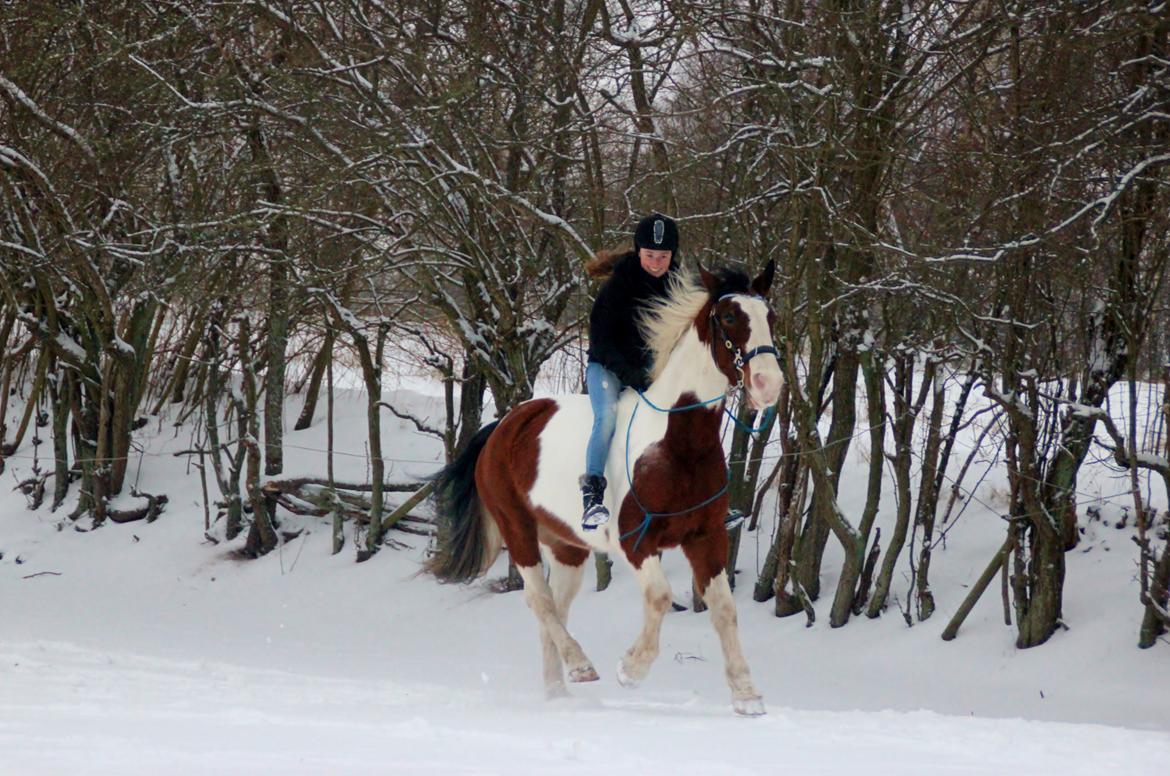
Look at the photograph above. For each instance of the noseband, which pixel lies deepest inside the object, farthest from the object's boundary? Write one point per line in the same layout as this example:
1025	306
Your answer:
741	358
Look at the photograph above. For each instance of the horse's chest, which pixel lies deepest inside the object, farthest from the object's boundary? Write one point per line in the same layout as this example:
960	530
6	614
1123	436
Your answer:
682	487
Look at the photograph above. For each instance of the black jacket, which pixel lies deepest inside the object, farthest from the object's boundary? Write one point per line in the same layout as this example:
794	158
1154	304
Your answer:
615	340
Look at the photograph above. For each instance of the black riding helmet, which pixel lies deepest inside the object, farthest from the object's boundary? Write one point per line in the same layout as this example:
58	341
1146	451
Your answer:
656	232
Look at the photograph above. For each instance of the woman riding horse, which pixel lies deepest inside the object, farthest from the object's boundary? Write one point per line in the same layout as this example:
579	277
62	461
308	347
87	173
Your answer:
512	484
618	355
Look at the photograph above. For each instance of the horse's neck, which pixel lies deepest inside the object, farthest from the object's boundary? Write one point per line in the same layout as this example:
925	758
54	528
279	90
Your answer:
690	369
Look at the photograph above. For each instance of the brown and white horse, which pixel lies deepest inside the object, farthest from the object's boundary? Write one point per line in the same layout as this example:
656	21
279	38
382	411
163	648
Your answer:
516	482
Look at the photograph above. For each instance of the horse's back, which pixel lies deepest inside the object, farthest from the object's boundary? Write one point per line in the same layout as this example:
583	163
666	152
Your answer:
563	444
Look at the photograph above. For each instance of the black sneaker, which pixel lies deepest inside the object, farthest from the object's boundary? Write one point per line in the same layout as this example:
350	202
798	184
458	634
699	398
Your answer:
592	493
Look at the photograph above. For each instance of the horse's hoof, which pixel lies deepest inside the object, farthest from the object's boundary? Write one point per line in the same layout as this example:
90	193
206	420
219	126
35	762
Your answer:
749	707
583	674
624	679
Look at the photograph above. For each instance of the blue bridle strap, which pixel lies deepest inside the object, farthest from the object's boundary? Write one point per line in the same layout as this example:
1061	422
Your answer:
760	351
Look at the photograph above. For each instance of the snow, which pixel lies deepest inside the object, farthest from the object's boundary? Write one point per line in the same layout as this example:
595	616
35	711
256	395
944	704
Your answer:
152	650
123	346
138	714
70	346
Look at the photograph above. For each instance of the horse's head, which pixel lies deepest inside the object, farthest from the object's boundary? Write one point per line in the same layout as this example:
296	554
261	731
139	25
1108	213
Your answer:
737	324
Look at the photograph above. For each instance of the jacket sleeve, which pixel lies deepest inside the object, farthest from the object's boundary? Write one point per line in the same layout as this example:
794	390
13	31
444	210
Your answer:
603	336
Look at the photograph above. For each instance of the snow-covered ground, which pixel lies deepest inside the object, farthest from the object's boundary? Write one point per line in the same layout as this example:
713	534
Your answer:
149	650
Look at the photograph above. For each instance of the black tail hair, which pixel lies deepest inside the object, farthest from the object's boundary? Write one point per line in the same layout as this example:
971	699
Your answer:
466	536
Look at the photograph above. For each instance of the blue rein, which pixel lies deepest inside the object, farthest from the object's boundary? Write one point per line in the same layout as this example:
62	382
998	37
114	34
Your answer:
647	515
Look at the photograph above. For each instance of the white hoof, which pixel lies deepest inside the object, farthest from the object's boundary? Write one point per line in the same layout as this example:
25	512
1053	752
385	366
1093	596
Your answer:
624	679
584	673
749	707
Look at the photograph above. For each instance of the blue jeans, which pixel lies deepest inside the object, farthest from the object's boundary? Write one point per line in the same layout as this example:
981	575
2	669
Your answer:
604	388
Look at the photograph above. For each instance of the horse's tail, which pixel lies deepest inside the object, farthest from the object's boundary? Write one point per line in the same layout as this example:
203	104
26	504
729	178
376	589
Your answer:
468	539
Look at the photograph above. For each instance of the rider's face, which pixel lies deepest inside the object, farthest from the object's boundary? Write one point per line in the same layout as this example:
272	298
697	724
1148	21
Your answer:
655	263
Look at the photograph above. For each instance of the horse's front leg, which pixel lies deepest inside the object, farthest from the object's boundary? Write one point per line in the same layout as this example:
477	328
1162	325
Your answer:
707	557
634	667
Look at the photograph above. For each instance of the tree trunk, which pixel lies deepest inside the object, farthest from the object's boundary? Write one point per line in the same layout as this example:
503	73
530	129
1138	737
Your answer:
338	520
229	480
850	586
928	495
1156	618
472	387
372	375
744	473
1043	580
59	401
183	364
904	421
277	343
324	358
769	581
811	549
275	237
262	535
42	368
604	568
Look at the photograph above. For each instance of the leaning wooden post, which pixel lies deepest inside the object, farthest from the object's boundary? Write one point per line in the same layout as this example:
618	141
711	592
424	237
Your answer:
969	602
408	505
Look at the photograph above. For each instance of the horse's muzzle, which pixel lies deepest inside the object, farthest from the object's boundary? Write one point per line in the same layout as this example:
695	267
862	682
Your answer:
763	388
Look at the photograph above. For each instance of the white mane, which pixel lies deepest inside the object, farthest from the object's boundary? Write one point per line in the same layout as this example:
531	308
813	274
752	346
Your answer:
666	320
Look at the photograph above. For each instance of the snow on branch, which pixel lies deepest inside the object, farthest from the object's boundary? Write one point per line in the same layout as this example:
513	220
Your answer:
58	127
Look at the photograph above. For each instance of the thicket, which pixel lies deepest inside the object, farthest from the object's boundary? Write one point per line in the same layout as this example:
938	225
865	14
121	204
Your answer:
203	206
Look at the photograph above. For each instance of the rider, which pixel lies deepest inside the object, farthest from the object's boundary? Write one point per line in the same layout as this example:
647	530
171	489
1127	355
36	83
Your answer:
618	355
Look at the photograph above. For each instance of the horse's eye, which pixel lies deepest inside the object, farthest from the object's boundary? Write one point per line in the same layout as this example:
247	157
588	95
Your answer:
729	319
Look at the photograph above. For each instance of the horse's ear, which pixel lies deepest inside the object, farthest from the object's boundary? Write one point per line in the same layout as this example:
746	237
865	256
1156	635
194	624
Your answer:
763	281
710	282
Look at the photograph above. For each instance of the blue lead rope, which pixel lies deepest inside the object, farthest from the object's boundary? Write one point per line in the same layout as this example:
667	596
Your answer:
694	406
765	418
647	515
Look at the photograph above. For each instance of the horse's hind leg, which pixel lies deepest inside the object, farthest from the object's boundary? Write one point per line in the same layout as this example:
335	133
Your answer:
634	667
554	671
707	558
564	580
539	596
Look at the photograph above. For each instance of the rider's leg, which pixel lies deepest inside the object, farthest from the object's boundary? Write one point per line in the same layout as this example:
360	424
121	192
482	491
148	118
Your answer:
603	394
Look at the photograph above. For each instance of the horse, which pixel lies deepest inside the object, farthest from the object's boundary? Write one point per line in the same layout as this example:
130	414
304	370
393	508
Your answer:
515	483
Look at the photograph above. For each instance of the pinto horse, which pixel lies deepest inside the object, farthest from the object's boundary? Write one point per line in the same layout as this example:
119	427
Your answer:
516	482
